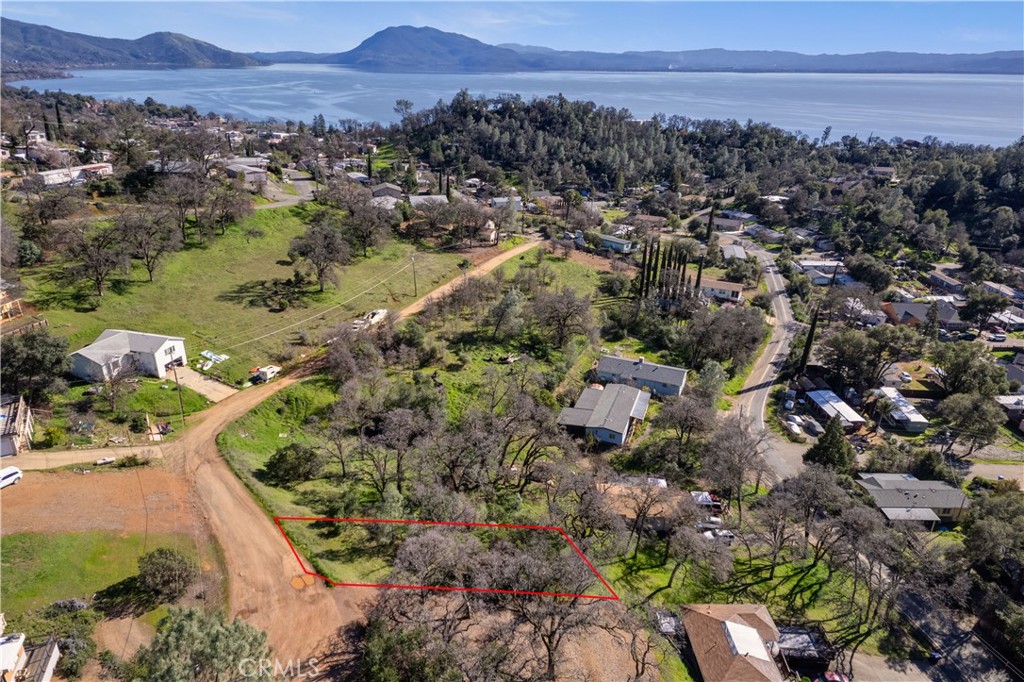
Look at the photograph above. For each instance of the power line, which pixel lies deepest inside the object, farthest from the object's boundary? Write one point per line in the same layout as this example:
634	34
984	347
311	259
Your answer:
317	314
217	340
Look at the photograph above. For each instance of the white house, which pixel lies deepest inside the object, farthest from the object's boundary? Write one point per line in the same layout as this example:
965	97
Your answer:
117	349
75	174
246	173
722	291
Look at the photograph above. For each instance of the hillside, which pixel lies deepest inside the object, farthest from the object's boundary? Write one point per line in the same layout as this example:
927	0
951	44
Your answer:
406	48
31	45
427	50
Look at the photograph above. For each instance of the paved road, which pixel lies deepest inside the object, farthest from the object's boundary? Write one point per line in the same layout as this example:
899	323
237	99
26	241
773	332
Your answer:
784	457
303	184
968	659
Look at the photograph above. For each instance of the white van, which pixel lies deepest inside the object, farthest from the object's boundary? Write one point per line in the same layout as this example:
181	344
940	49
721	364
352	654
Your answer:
10	476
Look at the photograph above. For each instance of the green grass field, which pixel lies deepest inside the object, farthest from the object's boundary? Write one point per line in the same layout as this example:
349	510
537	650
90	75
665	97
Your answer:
39	568
224	297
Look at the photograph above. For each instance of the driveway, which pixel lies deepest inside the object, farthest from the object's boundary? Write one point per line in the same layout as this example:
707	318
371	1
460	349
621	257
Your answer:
214	390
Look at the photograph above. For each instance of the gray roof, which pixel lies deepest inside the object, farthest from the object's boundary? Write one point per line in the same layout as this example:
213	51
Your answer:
903	491
610	408
733	251
909	514
418	200
119	342
947	312
242	168
615	240
627	369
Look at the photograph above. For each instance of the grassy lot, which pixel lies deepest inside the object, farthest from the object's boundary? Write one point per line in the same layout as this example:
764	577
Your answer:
224	296
40	568
582	278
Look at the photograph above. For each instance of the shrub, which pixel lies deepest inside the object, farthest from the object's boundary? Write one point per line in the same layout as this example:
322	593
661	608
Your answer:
294	463
167	573
137	423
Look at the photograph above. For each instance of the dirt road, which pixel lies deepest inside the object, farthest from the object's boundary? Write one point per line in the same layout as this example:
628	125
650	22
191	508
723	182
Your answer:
260	567
479	271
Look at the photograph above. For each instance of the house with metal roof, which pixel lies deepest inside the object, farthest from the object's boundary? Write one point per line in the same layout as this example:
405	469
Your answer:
661	380
116	350
903	497
829	405
905	416
607	414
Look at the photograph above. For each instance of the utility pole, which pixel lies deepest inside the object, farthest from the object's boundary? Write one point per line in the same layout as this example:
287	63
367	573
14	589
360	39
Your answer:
415	289
181	403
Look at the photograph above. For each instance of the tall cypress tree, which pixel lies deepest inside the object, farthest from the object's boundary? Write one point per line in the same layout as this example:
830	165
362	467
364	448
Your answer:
809	343
700	272
641	280
711	222
61	133
48	128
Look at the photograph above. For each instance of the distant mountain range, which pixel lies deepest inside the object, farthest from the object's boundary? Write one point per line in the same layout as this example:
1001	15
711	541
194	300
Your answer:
33	46
406	49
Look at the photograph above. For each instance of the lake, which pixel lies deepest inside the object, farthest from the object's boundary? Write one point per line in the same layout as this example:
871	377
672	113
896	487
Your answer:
977	109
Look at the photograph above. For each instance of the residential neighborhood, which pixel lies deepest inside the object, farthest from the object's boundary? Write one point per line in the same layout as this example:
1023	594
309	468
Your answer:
456	398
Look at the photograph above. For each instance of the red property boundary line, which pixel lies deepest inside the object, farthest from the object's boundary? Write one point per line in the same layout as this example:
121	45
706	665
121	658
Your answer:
295	553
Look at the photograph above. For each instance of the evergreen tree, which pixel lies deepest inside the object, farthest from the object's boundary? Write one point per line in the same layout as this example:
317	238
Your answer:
61	131
191	644
809	343
832	450
930	328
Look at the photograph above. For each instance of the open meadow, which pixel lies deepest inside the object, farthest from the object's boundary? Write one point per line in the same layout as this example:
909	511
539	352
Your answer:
239	295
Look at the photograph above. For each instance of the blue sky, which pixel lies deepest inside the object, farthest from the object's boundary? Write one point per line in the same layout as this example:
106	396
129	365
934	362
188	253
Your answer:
809	27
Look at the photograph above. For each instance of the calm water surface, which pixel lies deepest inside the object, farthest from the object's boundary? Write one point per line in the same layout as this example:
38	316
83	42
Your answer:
971	108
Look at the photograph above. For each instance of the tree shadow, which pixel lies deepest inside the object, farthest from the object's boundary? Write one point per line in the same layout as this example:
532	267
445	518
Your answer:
125	599
68	299
343	652
276	295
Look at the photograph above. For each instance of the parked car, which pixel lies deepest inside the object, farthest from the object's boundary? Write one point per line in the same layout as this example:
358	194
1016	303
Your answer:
997	337
788	405
710	523
724	536
105	460
997	330
968	336
812	427
794	429
794	419
905	377
10	476
832	677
